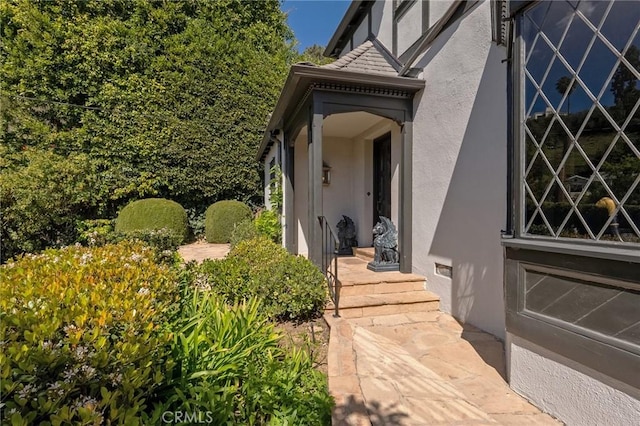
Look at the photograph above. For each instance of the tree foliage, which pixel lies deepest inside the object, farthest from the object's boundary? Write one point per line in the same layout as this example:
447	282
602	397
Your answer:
171	96
158	99
315	54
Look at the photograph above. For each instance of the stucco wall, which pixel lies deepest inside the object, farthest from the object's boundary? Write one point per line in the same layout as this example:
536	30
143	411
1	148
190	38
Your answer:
409	27
459	171
361	33
437	9
338	197
382	23
571	392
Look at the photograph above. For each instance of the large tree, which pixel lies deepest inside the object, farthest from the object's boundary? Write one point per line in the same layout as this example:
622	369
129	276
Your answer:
162	98
168	98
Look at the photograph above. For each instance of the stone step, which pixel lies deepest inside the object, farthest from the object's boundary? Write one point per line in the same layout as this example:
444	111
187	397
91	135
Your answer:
365	288
364	253
358	306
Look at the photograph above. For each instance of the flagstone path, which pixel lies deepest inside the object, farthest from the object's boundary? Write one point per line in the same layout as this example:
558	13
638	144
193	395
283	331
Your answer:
421	369
200	251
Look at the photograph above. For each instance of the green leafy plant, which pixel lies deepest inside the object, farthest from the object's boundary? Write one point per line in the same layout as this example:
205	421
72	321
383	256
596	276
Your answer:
245	230
276	196
43	195
268	224
153	214
230	364
290	287
82	335
95	232
221	217
196	221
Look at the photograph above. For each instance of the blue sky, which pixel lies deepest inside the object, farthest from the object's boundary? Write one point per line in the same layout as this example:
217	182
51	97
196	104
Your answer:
314	21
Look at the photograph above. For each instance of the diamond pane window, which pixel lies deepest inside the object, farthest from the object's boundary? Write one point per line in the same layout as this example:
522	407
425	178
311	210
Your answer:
581	125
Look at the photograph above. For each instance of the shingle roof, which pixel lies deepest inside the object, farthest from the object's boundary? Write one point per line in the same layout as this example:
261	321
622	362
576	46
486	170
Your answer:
370	57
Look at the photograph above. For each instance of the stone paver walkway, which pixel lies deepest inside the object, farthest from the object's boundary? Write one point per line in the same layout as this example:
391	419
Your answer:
201	251
421	369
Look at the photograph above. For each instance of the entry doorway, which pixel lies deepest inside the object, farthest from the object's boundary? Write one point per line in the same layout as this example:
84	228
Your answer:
382	177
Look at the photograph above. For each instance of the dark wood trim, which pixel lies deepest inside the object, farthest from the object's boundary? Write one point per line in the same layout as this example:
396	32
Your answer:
314	234
425	16
617	360
289	190
517	5
350	22
402	8
406	194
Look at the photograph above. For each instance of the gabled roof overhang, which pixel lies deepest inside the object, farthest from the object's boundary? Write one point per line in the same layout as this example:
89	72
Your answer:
303	78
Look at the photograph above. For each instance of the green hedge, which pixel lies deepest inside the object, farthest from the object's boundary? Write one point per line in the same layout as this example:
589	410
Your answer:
290	287
153	214
221	217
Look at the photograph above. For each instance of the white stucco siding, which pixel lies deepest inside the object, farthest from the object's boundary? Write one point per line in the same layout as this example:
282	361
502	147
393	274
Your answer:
338	197
346	49
571	392
272	154
301	193
459	171
409	27
437	9
382	23
361	33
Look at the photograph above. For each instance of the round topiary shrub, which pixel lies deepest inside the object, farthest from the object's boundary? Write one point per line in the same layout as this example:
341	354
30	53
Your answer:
153	214
221	217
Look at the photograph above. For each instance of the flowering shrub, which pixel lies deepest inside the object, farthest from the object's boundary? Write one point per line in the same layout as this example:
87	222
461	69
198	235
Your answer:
99	232
82	335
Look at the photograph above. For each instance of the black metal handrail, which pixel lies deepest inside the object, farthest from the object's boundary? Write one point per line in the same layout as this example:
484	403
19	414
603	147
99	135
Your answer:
330	263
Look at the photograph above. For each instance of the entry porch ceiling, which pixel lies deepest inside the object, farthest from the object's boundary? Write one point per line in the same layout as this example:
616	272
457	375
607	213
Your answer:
350	124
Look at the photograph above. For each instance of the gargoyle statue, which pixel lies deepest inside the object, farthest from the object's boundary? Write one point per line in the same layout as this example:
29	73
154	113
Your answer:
385	243
347	235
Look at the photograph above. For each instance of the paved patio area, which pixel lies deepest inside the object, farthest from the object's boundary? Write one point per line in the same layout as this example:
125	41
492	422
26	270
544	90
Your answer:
421	369
200	251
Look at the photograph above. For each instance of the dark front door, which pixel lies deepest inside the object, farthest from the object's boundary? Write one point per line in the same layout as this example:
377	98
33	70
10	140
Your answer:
382	177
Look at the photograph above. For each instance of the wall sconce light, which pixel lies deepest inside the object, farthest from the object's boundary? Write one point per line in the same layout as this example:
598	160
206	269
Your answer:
326	174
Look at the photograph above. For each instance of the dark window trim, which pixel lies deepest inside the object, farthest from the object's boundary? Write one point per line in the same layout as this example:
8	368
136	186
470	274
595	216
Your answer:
425	16
615	361
610	356
624	254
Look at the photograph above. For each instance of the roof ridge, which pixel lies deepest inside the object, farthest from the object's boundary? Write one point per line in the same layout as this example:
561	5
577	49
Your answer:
351	56
369	57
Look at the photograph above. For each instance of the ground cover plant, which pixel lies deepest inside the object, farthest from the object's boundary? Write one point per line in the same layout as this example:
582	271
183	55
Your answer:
107	334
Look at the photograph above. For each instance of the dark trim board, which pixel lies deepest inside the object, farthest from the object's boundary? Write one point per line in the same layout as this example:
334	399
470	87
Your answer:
583	341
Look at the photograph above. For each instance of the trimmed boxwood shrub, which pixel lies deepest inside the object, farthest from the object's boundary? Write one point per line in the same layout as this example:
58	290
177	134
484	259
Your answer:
153	214
290	287
81	336
221	217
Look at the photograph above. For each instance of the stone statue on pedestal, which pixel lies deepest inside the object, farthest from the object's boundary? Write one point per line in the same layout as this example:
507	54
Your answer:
385	243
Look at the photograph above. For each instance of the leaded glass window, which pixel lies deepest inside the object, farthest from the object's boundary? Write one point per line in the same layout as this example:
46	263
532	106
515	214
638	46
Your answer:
581	120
